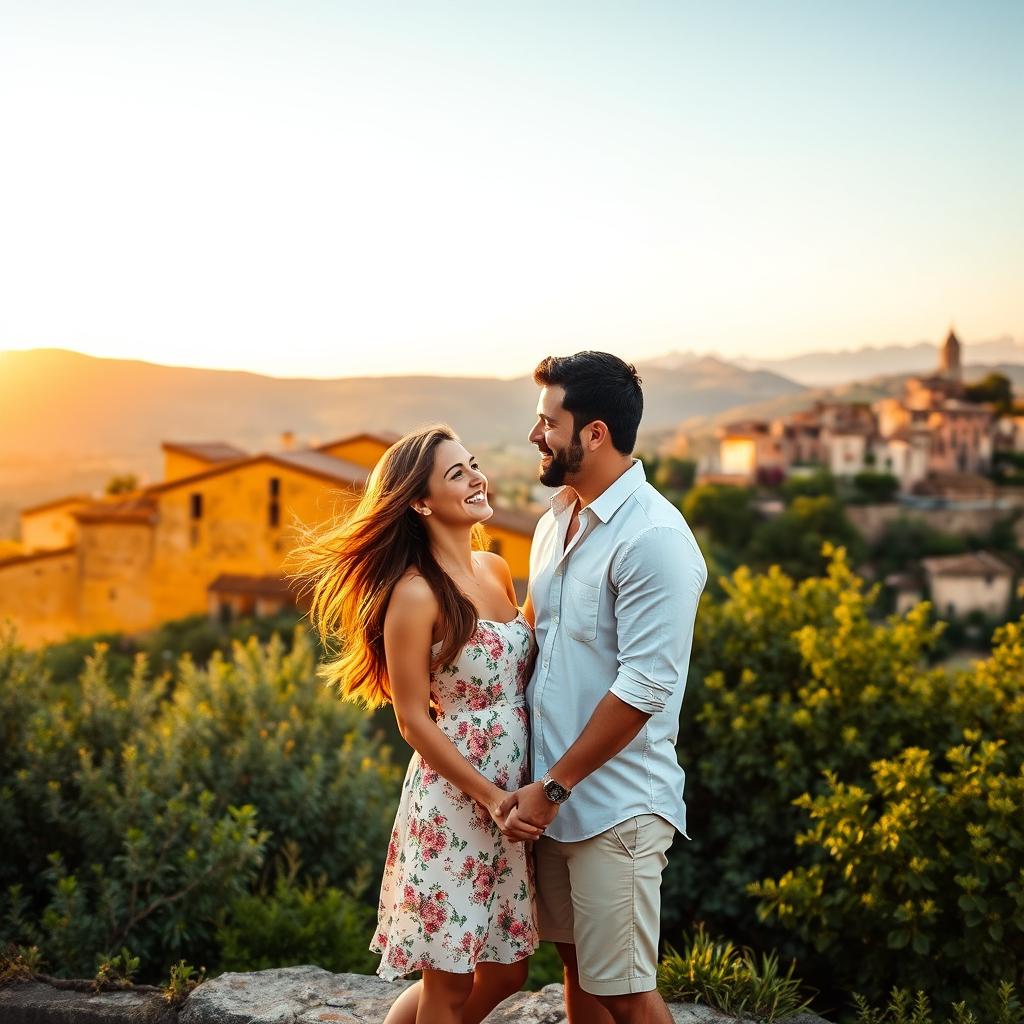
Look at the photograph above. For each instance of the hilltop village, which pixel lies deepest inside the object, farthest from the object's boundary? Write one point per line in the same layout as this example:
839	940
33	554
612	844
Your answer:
933	440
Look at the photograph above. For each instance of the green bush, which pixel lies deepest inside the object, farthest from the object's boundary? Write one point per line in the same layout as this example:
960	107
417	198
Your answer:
871	487
790	681
725	513
794	539
812	485
998	1006
293	923
134	814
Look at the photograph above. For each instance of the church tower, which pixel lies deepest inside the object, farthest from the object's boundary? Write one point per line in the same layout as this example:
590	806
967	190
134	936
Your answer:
949	357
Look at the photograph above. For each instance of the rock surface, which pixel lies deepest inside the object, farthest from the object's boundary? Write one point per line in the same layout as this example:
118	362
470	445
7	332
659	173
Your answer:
289	995
36	1003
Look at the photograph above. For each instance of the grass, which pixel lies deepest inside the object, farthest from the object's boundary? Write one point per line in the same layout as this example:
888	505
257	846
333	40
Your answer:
735	981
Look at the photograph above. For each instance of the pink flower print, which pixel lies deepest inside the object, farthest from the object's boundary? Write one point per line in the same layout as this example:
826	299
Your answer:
505	916
392	852
398	958
468	868
479	745
428	776
382	940
466	943
501	777
497	729
483	884
463	730
491	642
433	916
410	898
433	841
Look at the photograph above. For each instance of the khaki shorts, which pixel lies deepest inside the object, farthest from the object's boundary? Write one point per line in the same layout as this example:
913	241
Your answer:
603	895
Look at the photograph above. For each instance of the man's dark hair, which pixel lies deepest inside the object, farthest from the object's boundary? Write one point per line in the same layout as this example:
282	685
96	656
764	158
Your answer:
598	386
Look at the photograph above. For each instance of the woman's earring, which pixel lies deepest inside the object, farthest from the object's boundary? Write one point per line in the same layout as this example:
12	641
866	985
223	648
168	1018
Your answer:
423	511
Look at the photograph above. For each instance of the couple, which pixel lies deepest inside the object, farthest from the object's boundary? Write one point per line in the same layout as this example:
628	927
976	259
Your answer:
544	737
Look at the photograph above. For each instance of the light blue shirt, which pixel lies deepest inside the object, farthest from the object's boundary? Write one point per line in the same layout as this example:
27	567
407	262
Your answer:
613	611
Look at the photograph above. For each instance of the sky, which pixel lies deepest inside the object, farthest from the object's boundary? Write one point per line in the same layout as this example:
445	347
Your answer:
329	189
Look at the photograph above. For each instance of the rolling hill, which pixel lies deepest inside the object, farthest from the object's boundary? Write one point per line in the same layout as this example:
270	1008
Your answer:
69	421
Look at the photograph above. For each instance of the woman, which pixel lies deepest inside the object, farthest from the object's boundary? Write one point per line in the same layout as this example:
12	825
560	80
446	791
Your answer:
430	625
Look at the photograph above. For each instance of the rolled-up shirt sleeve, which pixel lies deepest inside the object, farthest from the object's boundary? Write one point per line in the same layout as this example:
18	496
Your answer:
658	581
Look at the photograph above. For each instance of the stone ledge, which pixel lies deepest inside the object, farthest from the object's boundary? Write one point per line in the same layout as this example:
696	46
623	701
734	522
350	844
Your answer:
287	995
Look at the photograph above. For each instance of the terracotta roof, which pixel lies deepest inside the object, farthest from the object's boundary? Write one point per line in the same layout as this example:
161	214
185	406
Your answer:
314	461
71	499
35	556
905	581
259	586
744	428
137	508
384	437
209	451
973	563
971	484
327	467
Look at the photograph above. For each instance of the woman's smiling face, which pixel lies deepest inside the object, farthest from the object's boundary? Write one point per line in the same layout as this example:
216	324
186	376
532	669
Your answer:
457	490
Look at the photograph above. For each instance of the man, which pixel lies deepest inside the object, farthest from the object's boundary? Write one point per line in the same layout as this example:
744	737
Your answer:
615	579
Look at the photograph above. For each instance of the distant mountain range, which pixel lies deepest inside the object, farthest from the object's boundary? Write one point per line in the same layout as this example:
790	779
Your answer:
825	368
69	421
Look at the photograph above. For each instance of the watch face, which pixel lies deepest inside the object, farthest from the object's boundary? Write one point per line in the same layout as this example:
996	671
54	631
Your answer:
556	793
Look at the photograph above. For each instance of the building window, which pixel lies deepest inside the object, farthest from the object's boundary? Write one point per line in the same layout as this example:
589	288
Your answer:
274	506
196	506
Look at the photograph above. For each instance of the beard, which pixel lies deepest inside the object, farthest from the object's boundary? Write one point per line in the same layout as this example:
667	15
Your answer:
562	464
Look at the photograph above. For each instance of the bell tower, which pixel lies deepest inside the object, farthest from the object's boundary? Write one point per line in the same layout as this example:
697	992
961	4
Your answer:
949	357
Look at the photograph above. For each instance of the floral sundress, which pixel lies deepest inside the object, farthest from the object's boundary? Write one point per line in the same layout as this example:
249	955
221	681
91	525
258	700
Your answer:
455	891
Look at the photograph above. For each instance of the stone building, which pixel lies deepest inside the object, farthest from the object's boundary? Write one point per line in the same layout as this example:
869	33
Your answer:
974	582
212	536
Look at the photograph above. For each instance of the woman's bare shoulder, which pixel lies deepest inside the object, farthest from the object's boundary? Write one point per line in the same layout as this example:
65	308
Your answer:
413	597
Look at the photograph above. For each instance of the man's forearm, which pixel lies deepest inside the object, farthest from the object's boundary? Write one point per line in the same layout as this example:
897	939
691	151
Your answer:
612	726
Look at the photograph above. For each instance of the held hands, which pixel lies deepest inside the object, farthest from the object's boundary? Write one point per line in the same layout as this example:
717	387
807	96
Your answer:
501	808
526	812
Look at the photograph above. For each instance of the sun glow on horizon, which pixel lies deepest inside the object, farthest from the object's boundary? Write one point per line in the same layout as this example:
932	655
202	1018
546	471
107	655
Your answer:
316	192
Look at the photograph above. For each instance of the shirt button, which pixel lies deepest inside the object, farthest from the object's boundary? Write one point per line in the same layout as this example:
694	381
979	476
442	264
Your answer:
545	662
555	620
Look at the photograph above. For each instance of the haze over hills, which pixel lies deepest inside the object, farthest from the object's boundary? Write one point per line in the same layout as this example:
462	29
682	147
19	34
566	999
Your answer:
828	368
69	421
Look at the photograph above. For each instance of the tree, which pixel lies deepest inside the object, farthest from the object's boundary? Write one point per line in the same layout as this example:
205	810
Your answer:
675	475
123	483
794	539
874	488
820	482
995	388
725	512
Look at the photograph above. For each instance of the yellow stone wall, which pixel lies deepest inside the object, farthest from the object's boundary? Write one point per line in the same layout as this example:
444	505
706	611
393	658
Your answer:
50	528
40	596
178	465
115	560
234	534
514	548
363	451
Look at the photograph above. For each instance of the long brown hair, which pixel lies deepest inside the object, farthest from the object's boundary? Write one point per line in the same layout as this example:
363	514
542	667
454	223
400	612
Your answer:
349	569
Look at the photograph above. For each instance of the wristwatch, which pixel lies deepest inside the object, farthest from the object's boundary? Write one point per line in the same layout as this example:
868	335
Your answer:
554	791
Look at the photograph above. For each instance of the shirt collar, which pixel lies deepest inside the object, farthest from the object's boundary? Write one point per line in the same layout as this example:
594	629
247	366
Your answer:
606	504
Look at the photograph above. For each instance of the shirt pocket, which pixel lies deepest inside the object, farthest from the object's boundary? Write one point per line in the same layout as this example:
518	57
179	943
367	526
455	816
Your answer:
579	609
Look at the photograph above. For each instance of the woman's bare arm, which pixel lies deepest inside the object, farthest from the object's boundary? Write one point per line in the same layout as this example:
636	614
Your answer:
408	628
